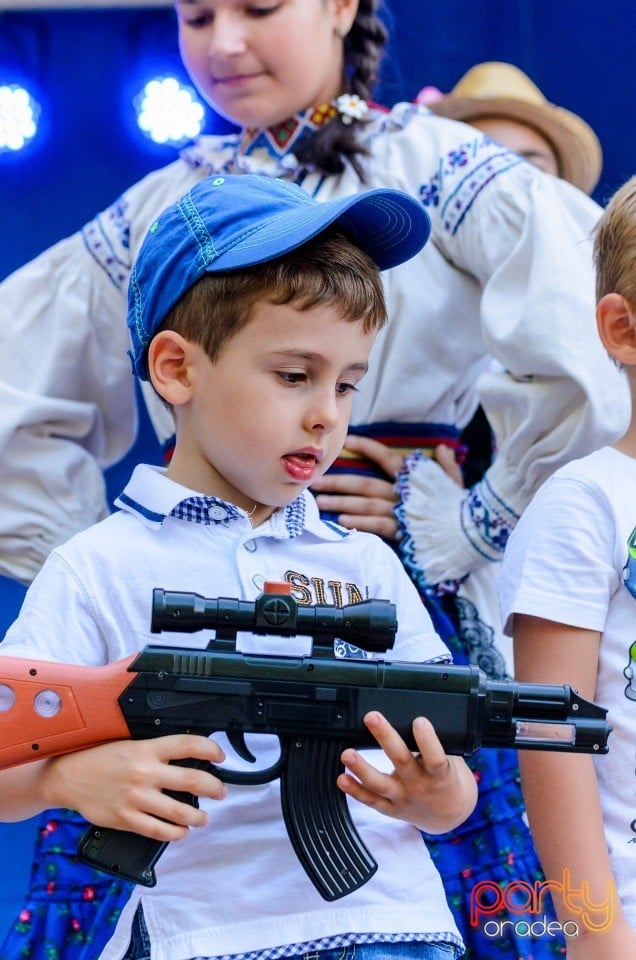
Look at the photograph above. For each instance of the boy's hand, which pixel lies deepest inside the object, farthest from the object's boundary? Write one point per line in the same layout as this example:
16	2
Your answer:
122	784
430	790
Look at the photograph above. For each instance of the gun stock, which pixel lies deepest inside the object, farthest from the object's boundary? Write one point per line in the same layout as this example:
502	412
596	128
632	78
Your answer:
314	704
47	709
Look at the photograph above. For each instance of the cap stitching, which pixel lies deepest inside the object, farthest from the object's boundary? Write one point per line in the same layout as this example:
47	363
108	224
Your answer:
197	227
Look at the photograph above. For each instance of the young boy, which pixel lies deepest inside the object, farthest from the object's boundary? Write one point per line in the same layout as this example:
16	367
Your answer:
252	310
568	595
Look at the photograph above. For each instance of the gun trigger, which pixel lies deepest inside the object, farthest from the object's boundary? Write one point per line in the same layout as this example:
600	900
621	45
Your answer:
247	777
256	777
237	740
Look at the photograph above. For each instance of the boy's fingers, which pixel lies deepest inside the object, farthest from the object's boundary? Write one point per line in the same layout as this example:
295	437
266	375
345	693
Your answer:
180	746
388	739
163	823
201	783
432	754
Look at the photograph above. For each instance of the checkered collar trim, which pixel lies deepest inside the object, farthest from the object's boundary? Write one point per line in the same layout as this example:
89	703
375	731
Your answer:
152	497
208	510
212	510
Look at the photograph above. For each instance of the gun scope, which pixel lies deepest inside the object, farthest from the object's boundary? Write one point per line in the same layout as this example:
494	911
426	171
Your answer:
370	624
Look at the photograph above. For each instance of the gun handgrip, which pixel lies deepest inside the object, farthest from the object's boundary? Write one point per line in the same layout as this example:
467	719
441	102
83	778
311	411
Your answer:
130	855
126	855
317	818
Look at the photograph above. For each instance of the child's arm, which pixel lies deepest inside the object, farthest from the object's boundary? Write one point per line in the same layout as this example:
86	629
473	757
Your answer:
562	796
119	784
432	791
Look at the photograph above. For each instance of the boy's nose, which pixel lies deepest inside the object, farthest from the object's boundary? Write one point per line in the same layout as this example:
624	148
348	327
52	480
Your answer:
324	414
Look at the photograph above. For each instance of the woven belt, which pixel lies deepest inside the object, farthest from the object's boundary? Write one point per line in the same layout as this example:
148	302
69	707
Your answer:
401	437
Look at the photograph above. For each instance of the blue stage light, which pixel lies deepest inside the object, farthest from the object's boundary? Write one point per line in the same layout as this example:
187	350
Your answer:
169	112
18	118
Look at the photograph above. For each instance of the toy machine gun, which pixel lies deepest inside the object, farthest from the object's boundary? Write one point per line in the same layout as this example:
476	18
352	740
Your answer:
314	704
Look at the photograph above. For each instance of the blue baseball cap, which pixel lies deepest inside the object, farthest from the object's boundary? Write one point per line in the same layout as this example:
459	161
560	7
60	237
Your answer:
232	222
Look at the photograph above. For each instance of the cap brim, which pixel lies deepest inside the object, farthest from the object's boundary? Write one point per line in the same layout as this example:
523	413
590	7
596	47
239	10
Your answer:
577	146
390	226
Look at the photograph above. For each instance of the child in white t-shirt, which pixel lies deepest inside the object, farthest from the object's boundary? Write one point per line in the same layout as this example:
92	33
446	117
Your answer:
568	596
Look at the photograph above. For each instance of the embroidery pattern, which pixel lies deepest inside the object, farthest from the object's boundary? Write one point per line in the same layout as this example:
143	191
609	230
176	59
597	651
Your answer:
107	239
486	520
456	196
475	162
479	640
268	151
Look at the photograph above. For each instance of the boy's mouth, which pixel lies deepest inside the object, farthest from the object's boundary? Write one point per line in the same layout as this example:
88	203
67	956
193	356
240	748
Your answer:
301	465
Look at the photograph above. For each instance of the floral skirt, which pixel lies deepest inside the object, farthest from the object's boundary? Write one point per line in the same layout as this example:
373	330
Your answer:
70	909
490	868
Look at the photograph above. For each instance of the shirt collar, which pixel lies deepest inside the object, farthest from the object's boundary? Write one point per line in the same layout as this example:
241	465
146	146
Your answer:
152	497
267	151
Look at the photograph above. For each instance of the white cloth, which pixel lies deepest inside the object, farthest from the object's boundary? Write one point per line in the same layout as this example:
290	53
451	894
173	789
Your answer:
236	886
507	275
421	484
572	560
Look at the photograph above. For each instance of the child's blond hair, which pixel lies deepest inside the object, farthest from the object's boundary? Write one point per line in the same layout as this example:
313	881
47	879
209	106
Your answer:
615	245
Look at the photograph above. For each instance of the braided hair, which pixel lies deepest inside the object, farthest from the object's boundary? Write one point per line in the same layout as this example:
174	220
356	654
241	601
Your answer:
335	142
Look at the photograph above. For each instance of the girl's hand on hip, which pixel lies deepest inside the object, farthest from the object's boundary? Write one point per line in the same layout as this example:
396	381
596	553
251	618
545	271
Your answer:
363	503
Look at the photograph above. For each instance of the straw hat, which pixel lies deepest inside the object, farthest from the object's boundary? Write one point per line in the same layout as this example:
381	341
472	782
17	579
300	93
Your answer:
502	90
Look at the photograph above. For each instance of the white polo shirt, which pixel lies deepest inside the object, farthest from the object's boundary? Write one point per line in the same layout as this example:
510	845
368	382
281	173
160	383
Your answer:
236	886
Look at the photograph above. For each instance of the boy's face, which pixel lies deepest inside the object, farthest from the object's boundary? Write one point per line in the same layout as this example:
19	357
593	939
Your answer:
271	414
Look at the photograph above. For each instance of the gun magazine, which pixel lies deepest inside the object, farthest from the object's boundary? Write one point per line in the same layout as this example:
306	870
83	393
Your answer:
317	818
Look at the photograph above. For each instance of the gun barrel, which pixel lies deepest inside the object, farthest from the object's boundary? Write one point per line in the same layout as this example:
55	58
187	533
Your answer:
542	716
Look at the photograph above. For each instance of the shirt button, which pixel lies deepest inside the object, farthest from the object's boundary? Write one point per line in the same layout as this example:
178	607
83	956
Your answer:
250	546
218	513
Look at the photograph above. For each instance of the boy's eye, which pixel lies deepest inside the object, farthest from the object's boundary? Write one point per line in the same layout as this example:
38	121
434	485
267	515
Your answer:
344	388
292	377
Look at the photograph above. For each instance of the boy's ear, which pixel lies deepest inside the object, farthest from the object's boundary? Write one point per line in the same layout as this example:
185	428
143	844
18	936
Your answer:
168	366
616	322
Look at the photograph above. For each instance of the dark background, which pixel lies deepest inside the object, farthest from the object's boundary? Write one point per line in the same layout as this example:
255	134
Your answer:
85	66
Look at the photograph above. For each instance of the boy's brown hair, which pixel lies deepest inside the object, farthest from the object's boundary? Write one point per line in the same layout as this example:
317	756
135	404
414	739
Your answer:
330	269
615	245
